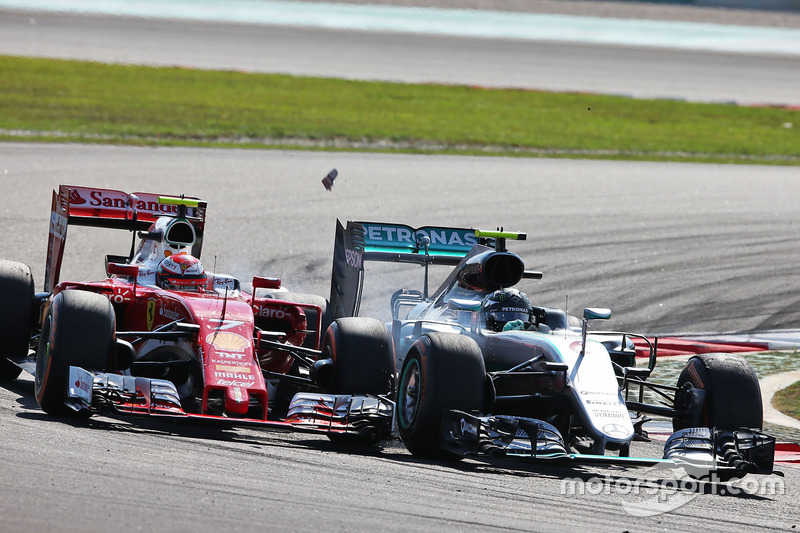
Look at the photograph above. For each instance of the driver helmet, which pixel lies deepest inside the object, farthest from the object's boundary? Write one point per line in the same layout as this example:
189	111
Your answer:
167	236
503	306
180	272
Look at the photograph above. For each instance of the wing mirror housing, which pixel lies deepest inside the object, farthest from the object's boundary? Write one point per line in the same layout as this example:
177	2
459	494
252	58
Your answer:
266	283
119	269
592	313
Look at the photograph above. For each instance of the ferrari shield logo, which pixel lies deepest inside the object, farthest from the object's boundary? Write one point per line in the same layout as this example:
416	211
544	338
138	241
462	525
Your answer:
151	314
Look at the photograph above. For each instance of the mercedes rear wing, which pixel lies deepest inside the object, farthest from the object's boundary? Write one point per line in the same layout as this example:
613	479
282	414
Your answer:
398	243
108	208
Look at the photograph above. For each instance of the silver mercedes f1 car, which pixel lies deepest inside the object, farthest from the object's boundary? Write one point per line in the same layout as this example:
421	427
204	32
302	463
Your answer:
482	373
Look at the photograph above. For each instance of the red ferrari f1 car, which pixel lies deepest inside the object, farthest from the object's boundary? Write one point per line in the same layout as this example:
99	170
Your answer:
161	336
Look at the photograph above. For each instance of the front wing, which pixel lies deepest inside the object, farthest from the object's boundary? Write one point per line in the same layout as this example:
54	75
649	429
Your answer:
701	452
365	417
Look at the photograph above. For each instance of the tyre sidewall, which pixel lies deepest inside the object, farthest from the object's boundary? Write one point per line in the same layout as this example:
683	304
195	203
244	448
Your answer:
361	350
451	377
732	392
78	330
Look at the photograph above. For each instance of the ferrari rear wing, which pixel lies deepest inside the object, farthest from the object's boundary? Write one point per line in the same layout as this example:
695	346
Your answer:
108	208
398	243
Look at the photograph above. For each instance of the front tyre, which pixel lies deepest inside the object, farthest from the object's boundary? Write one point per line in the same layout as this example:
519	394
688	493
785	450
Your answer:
361	350
442	372
78	330
732	398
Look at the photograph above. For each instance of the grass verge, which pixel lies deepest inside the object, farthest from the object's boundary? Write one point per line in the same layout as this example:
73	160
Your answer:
787	400
59	100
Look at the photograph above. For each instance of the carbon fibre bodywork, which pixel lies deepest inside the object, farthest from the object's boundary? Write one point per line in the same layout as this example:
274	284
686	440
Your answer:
215	352
552	390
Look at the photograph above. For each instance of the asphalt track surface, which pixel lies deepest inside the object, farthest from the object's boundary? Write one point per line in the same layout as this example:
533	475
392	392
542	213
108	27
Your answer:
545	65
667	247
670	248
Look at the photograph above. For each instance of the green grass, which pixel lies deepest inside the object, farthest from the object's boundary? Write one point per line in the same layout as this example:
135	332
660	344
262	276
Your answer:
57	100
787	400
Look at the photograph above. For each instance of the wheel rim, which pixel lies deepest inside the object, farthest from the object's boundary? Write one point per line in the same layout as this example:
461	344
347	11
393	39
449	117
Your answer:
409	393
43	358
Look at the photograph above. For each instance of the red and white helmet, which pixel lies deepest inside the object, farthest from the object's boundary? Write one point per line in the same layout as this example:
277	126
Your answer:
180	272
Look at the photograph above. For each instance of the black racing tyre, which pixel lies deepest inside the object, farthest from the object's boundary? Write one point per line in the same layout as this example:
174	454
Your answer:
78	330
16	306
442	372
732	393
363	363
311	314
361	350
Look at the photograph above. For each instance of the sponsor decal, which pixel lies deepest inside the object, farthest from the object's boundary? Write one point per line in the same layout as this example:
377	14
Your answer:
80	384
232	375
600	402
615	430
381	235
270	312
230	356
238	395
172	314
83	385
227	341
233	368
354	259
599	393
151	314
58	225
120	295
606	413
75	198
145	272
224	282
114	200
468	428
235	383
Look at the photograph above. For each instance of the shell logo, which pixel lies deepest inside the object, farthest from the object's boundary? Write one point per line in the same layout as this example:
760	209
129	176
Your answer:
227	341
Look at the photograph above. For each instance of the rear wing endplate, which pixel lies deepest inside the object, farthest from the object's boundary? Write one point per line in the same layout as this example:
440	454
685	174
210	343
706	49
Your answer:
108	208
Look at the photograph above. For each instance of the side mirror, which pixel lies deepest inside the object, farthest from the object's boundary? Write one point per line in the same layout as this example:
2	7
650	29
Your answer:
266	283
596	313
119	269
592	313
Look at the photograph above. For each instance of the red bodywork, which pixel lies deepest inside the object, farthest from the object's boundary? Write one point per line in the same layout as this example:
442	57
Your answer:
230	364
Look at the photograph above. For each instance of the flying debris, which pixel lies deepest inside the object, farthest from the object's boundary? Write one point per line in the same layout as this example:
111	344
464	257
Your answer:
327	181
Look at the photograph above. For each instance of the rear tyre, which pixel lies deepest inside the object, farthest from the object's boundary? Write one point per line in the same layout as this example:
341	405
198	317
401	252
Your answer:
732	393
78	330
441	372
16	295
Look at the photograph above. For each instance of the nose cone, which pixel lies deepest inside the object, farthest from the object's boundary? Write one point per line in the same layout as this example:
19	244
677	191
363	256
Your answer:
237	400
